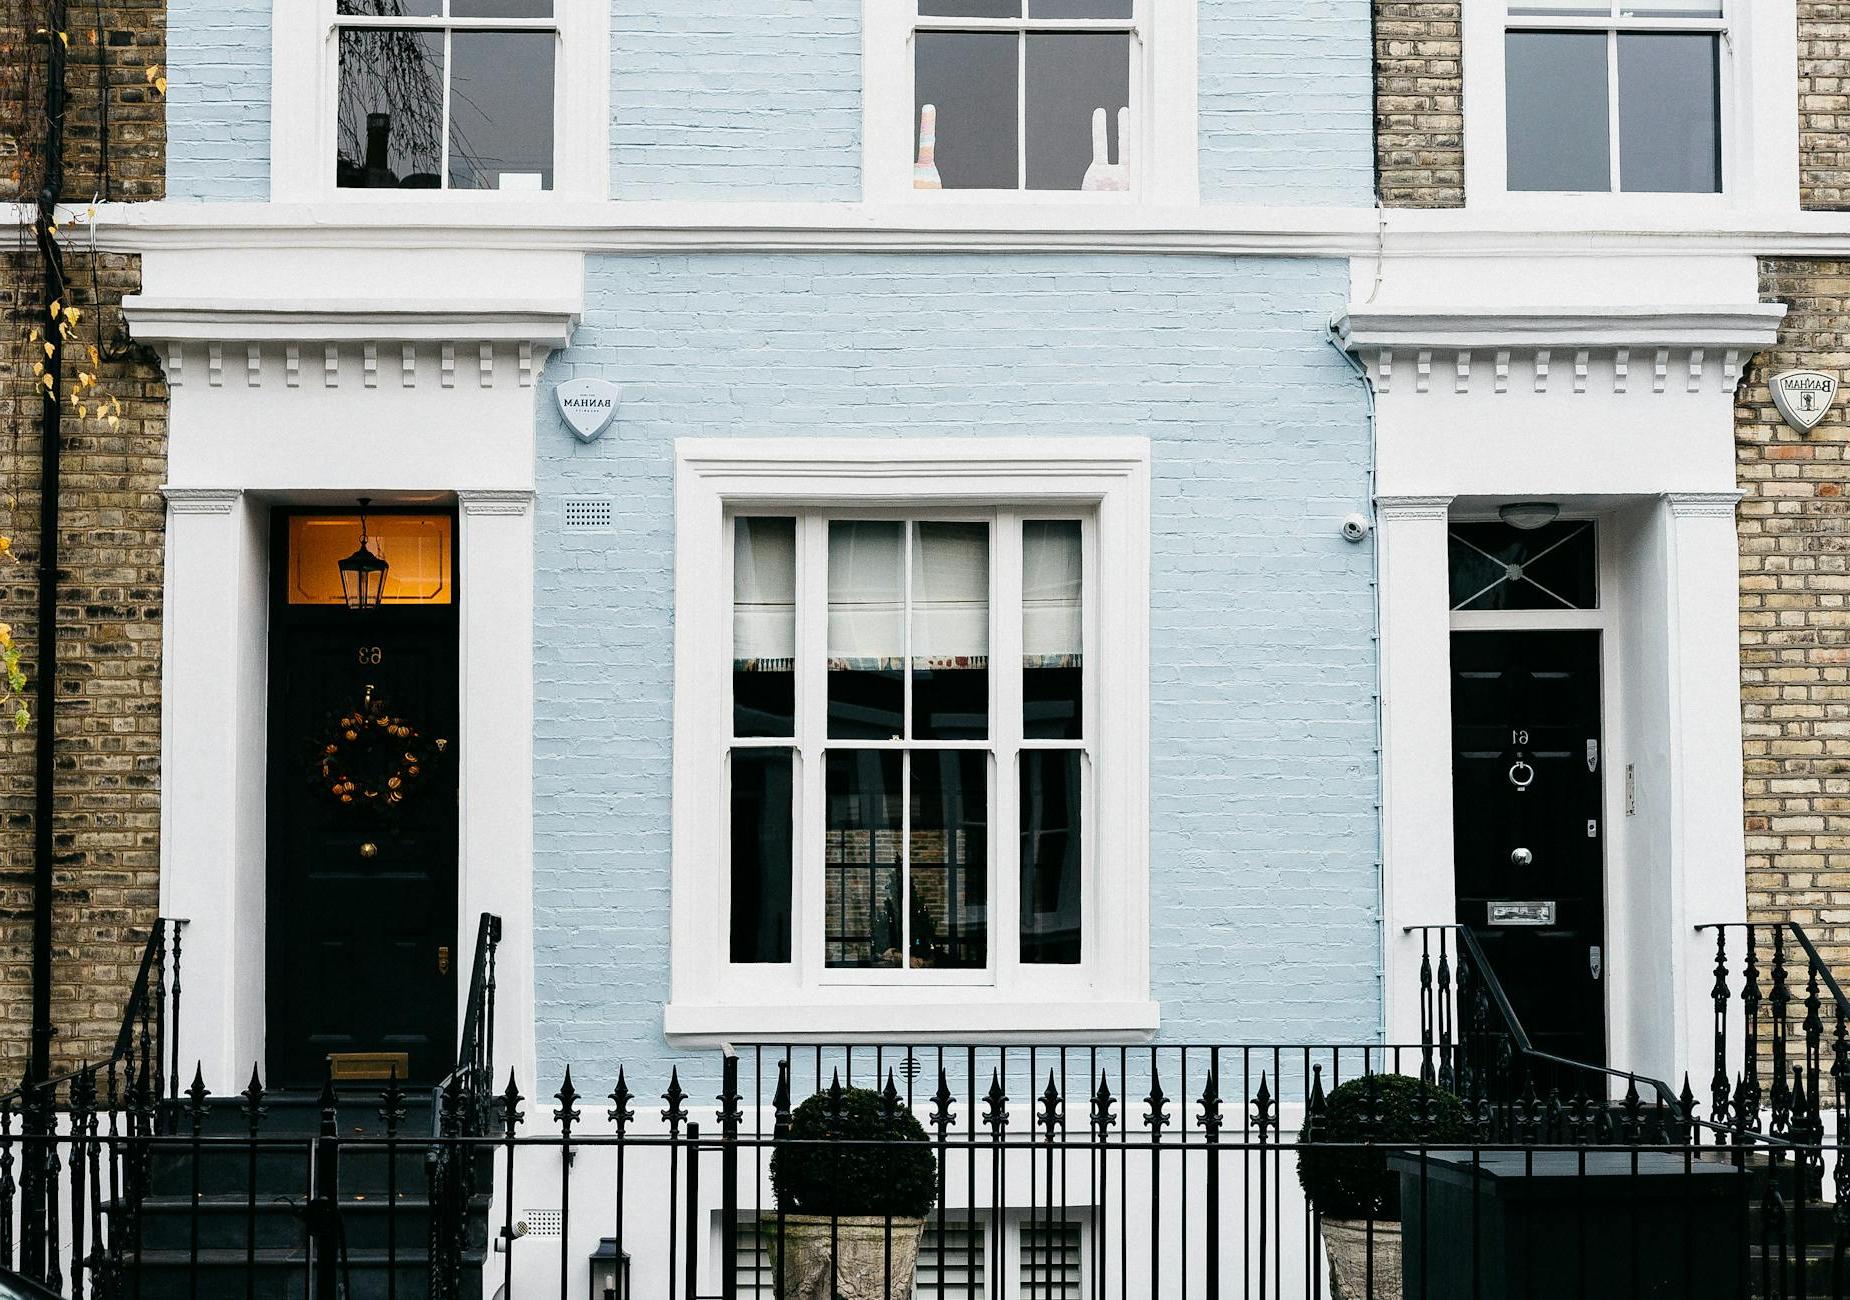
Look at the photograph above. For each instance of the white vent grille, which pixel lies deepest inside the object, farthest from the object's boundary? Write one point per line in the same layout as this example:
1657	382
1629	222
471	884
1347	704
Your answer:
589	514
1049	1261
962	1262
541	1223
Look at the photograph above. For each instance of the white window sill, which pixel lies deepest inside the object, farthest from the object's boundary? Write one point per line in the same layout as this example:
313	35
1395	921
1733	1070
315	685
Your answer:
960	1021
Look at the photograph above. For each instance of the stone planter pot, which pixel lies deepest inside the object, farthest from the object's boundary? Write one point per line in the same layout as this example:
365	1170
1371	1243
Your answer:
860	1252
1346	1242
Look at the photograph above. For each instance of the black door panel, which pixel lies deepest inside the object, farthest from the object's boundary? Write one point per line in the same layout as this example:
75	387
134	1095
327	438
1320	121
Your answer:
1528	826
363	897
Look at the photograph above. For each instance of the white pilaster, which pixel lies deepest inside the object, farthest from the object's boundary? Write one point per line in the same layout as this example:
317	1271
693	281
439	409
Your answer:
1416	745
496	861
1707	832
212	828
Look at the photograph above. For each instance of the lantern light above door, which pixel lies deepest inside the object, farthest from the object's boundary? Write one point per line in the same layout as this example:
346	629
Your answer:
362	574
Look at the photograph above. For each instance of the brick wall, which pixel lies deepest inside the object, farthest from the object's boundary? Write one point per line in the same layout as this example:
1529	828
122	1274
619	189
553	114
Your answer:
106	784
1263	833
1795	618
1419	104
1824	104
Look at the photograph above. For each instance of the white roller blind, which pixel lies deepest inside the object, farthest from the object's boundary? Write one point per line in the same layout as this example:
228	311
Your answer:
950	592
1052	589
764	589
867	591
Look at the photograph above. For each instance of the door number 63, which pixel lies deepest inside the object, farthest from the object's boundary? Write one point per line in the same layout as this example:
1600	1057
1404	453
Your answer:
370	654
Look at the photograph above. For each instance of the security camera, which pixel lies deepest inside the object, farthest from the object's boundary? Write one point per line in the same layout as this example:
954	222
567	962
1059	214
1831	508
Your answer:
1355	528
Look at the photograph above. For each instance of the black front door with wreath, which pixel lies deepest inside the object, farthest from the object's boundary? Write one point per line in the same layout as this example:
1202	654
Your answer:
362	884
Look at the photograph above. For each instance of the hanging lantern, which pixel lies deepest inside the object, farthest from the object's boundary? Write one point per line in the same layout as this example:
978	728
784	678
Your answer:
362	574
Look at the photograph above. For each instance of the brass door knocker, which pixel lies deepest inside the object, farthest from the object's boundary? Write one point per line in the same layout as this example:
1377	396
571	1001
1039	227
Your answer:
1522	776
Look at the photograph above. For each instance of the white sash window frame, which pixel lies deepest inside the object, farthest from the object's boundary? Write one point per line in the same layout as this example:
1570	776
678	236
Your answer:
1102	481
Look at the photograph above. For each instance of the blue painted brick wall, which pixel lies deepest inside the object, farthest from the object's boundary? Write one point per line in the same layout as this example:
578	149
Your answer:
1286	101
218	99
1263	883
748	99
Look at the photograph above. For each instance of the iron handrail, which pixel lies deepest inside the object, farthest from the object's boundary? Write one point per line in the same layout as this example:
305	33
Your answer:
1519	1036
1797	931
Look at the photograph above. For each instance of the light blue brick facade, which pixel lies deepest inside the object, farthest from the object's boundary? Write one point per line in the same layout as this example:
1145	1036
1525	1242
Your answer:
755	99
218	99
1263	879
762	99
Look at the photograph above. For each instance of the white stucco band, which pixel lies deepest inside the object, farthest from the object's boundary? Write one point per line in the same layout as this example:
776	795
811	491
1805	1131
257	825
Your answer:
301	386
1619	414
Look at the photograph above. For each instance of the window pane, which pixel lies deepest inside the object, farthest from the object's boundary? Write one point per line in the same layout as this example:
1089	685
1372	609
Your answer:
764	627
389	8
1556	98
416	549
969	80
761	854
950	631
1669	114
1495	566
950	859
1052	630
390	120
867	630
500	8
970	8
1079	8
861	869
1070	77
501	110
1050	856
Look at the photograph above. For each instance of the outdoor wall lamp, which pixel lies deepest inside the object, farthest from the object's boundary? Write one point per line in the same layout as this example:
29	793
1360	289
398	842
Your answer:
362	574
610	1272
1529	515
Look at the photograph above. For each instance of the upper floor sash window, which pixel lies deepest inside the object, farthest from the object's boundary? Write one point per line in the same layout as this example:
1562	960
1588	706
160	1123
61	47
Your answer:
445	94
1623	96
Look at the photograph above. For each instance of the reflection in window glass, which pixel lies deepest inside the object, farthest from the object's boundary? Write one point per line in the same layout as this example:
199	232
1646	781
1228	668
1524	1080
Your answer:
970	8
1078	84
1669	113
1555	92
867	629
764	627
970	81
862	925
501	110
761	854
1050	856
1052	630
1495	566
950	631
389	8
1079	9
500	8
390	118
948	863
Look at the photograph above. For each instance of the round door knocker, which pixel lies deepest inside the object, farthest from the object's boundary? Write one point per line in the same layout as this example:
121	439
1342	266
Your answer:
1522	776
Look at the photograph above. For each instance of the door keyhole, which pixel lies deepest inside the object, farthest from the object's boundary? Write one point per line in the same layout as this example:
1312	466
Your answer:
443	960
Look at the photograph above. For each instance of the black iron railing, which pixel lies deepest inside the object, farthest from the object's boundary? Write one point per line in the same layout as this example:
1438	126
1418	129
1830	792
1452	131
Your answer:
464	1109
1075	1173
1473	1044
73	1131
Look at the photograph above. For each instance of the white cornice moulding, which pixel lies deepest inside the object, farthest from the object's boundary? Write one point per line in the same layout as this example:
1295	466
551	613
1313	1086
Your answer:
200	501
1696	504
544	324
495	501
1748	326
1413	507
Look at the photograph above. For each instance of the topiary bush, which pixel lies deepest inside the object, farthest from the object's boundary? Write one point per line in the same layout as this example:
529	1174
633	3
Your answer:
1352	1183
828	1164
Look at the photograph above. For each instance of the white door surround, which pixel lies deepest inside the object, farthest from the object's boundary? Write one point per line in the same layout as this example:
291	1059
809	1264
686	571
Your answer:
294	397
1620	414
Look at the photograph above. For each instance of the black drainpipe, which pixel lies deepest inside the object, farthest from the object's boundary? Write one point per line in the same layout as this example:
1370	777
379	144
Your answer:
51	447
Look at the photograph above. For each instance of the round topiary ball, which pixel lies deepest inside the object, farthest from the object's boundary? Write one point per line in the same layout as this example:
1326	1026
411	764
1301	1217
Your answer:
1346	1180
855	1161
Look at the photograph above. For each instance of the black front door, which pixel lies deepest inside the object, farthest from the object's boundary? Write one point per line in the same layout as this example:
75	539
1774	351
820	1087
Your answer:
362	837
1528	826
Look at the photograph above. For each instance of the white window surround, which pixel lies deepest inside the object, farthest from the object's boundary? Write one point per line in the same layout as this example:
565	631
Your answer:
1163	80
1106	997
305	72
1759	121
